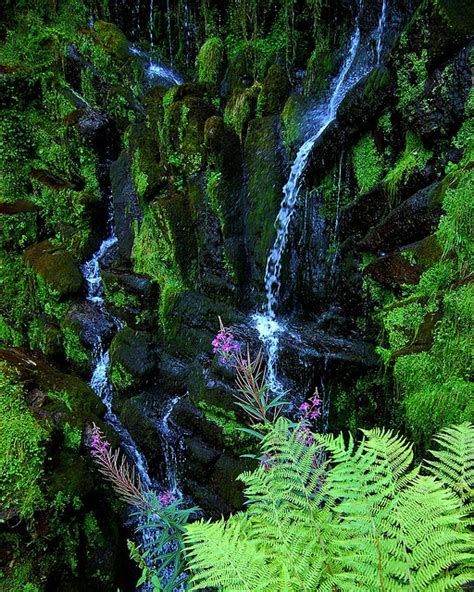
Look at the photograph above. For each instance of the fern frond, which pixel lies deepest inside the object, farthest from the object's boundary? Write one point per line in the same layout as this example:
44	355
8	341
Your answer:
454	464
221	555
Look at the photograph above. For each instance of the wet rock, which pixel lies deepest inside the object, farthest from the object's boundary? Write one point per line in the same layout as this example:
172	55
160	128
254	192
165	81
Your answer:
100	133
111	39
132	359
56	266
91	322
143	429
125	202
392	271
275	90
224	479
440	111
412	220
264	186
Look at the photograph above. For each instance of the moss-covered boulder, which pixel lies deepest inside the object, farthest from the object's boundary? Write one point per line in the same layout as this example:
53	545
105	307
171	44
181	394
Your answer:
210	61
241	108
275	90
147	174
56	267
265	183
132	359
111	38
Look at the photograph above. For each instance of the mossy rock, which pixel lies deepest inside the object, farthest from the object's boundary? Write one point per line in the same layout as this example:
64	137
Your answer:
222	143
185	133
111	39
292	117
241	108
240	72
148	176
210	61
56	266
265	183
132	359
275	90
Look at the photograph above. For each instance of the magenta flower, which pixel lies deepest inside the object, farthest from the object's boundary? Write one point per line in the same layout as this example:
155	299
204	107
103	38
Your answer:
225	346
166	498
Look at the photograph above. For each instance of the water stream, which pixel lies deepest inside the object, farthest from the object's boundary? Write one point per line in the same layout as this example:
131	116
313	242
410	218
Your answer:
355	66
100	382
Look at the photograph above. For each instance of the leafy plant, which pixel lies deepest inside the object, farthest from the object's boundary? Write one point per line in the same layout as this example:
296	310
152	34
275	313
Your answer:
334	516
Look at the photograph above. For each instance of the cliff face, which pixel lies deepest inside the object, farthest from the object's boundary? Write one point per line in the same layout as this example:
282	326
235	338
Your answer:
185	144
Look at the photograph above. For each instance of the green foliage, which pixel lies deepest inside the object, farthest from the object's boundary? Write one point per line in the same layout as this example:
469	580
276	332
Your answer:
227	421
333	515
411	78
120	377
414	158
21	449
455	232
367	163
73	348
209	60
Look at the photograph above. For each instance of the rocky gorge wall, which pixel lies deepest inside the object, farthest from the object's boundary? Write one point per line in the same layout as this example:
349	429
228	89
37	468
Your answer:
376	271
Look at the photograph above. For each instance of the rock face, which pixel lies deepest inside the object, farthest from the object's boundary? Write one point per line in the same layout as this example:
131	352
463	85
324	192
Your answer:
126	206
414	219
56	267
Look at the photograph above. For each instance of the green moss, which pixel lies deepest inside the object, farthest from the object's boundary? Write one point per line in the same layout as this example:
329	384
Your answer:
385	123
414	158
22	452
227	422
456	232
74	350
120	377
241	108
367	163
209	61
411	78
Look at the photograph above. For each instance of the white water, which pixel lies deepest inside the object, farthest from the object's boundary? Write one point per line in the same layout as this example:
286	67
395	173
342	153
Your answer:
100	382
154	70
352	71
380	30
169	443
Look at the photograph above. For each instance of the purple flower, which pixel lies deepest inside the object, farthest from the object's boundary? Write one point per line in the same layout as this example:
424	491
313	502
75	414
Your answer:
225	346
166	498
304	406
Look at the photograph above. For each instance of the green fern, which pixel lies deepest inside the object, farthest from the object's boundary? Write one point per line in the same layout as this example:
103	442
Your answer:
337	515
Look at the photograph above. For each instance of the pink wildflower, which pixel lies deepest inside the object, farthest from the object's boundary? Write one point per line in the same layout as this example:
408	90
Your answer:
166	498
225	346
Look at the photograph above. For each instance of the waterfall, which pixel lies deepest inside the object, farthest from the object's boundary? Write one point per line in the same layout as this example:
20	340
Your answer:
380	30
267	325
150	25
169	443
100	382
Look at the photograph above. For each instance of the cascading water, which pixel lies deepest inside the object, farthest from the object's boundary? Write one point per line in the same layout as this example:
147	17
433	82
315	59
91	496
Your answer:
380	30
351	72
100	382
169	441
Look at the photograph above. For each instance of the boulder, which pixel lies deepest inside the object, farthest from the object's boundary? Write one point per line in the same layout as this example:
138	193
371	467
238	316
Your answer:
132	359
412	220
126	205
275	90
56	266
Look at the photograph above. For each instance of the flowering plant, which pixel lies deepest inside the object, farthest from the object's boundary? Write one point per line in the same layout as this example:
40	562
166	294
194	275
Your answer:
254	395
161	555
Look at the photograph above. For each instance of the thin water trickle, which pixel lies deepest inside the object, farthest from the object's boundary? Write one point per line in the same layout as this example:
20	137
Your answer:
169	442
267	325
380	30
